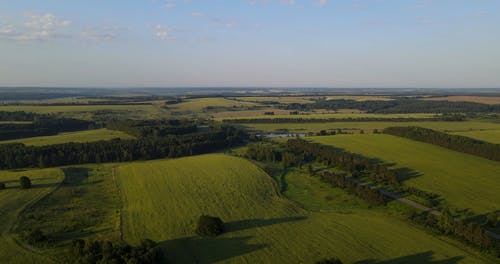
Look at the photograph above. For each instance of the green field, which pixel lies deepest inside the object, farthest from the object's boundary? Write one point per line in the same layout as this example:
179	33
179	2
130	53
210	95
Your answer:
162	200
368	126
492	136
79	136
333	115
200	104
13	201
464	181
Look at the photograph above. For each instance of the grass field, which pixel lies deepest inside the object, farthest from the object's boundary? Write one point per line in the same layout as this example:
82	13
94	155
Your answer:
330	115
79	136
12	202
199	104
279	99
492	136
163	199
359	98
474	99
464	181
369	126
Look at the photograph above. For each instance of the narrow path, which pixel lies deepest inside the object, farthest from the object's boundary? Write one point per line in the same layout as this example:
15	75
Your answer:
408	201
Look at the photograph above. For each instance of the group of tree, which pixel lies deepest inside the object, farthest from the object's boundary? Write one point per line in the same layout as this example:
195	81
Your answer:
471	232
431	199
117	150
329	261
209	226
41	126
402	105
454	142
90	252
154	128
366	192
344	119
18	116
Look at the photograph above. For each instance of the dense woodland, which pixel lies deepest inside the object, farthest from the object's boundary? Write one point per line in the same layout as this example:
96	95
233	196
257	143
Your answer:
454	142
398	106
117	150
42	127
154	128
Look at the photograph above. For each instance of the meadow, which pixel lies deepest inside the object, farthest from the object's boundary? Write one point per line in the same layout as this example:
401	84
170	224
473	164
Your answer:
262	226
307	115
279	99
464	181
492	136
13	201
371	125
79	136
474	99
199	104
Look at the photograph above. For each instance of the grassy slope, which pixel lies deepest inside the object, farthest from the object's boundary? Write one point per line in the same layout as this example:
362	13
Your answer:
163	199
306	127
80	136
492	136
464	181
12	201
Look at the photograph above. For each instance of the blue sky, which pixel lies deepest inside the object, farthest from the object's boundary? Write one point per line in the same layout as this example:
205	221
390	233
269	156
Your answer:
278	43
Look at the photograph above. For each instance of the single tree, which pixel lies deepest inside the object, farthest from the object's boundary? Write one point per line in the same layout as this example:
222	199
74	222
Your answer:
209	226
25	182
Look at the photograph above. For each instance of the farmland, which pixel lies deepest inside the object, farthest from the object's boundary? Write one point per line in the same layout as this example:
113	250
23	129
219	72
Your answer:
200	104
492	136
13	201
369	126
79	136
474	99
463	180
167	196
332	115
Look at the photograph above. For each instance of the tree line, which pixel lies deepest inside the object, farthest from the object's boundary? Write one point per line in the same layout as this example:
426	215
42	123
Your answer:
42	127
454	142
397	106
346	119
154	128
19	156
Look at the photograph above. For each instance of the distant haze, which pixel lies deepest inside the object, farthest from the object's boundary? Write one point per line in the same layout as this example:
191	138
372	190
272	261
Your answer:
258	43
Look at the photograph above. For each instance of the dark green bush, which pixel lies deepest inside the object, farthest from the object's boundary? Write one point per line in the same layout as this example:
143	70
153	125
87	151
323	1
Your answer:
25	182
330	261
2	185
209	226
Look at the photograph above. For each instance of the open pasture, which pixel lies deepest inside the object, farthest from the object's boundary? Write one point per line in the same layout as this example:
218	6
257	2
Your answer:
13	201
79	136
371	125
464	181
163	199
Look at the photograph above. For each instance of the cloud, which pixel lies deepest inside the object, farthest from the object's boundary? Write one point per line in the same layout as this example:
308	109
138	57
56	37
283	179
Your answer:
164	32
197	14
34	27
101	33
320	3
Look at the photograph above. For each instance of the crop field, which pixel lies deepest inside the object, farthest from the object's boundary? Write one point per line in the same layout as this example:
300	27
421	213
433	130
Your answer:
200	104
307	115
163	199
79	136
279	99
13	201
359	98
369	126
474	99
464	181
492	136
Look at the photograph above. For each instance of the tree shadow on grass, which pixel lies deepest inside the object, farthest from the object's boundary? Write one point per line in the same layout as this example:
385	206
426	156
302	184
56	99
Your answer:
207	250
255	223
418	258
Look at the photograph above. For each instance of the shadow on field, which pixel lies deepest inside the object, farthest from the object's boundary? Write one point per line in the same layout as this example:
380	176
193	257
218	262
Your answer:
418	258
255	223
78	176
207	250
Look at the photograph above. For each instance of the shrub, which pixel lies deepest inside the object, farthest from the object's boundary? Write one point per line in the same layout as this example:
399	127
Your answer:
35	237
2	185
209	226
25	182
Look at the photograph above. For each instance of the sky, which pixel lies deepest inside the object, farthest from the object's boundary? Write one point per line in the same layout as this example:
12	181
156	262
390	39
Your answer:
254	43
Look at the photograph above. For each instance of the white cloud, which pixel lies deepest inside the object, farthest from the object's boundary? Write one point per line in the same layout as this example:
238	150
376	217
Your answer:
34	27
164	32
102	33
